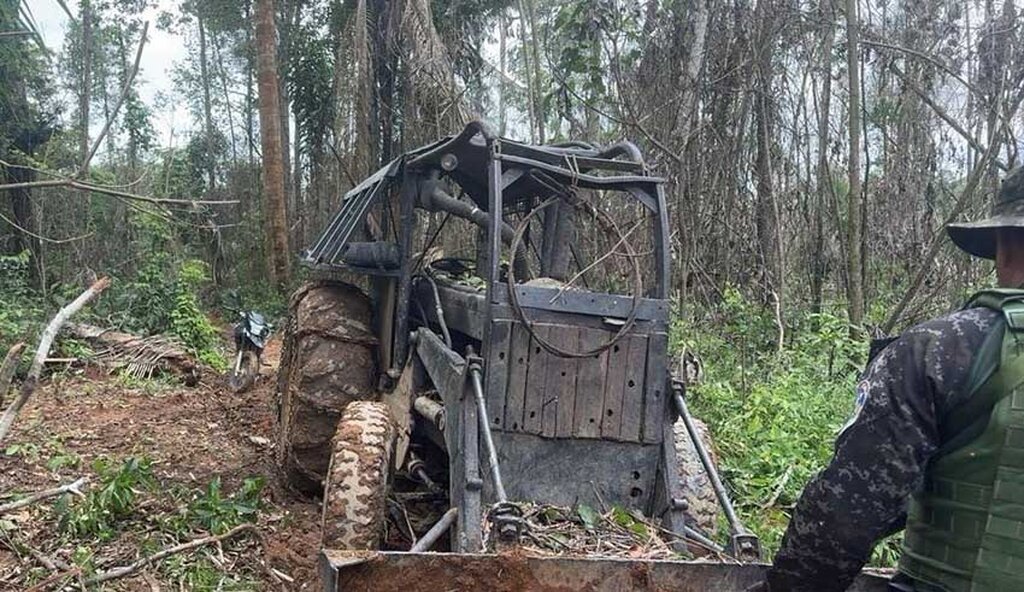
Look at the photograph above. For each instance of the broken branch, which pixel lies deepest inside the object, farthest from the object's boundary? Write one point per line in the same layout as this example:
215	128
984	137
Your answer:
84	186
43	351
119	572
945	116
74	488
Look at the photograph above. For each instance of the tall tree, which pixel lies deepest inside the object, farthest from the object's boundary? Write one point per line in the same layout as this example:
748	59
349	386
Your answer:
204	75
854	200
23	128
767	216
823	178
274	210
85	91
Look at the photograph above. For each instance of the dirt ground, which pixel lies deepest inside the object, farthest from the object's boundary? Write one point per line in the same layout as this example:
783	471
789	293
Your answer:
192	435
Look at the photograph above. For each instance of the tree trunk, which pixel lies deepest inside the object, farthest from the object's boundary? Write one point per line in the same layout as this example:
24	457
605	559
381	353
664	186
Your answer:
296	205
85	90
274	212
250	103
132	145
768	227
204	76
538	107
502	114
22	208
855	288
824	179
531	105
288	11
689	82
227	99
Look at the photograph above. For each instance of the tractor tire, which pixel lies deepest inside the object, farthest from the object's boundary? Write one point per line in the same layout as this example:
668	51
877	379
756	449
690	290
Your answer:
355	492
328	360
701	502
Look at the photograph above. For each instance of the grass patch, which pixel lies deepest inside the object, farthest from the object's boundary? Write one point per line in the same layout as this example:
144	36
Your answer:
773	415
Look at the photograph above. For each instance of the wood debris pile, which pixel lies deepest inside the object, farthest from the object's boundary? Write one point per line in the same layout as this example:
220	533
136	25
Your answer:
134	356
583	531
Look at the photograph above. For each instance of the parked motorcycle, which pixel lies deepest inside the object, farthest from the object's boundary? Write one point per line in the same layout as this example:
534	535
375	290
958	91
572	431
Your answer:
251	334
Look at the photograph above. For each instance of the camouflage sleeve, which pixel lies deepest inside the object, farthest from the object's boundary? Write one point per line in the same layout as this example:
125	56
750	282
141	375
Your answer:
880	455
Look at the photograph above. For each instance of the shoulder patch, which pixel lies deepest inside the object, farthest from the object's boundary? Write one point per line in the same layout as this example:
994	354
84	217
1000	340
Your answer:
858	406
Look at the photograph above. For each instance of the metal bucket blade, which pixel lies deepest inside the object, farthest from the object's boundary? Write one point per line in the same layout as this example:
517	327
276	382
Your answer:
433	572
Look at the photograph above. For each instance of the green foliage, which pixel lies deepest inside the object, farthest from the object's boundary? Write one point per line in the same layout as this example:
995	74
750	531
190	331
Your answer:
218	513
74	348
163	297
97	515
309	75
83	558
26	450
188	321
20	313
58	456
113	509
588	516
773	415
201	573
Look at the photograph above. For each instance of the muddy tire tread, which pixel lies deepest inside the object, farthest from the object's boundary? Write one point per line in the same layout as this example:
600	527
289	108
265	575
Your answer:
702	503
355	490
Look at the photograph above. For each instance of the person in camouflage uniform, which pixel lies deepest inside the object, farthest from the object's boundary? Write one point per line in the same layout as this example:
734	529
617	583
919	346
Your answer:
882	454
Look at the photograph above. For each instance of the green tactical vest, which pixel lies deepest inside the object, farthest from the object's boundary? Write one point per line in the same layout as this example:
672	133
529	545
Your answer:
965	530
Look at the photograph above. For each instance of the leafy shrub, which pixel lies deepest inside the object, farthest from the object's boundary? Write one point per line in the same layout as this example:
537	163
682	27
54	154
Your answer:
217	513
773	415
211	510
163	297
20	312
104	506
188	321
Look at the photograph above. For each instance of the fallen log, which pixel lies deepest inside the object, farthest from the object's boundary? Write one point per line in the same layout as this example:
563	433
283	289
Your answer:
43	351
139	357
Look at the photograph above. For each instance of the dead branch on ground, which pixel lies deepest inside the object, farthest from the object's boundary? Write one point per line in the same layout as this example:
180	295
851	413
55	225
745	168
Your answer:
57	577
50	563
43	351
120	572
74	488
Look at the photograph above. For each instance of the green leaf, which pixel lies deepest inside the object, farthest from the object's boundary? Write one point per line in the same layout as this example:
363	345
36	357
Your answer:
589	517
622	517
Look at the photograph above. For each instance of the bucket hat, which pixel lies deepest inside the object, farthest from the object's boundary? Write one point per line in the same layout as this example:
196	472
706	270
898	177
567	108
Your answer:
979	238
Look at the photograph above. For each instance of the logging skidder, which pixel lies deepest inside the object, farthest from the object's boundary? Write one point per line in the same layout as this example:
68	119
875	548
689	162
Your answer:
533	369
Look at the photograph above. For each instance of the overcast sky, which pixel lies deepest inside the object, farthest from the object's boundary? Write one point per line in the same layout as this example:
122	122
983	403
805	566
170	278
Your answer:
162	51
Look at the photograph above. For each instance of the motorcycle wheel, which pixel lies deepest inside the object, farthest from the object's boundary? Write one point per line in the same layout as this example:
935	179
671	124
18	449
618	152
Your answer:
243	372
